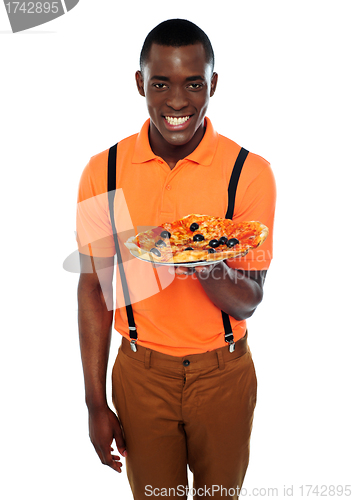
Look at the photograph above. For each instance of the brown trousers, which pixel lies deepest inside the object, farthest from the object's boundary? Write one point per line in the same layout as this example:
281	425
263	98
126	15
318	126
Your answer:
194	410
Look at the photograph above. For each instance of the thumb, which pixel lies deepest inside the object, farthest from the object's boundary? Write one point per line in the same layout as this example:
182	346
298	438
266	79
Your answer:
120	443
122	452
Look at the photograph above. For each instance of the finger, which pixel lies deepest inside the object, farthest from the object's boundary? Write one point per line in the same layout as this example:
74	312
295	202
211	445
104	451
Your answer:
122	451
120	444
184	270
181	270
112	461
200	269
114	465
205	269
116	459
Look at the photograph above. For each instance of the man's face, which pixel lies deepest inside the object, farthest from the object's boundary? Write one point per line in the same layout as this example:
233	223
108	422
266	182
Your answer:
177	83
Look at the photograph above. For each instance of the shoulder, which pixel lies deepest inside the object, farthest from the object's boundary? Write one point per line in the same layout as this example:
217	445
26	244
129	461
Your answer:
97	164
256	179
257	164
95	174
256	161
254	166
258	171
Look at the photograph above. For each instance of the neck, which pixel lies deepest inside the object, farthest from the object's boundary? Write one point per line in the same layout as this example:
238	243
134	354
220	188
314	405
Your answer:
172	154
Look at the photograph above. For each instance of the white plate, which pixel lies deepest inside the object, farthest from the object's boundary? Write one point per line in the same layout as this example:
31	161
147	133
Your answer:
181	264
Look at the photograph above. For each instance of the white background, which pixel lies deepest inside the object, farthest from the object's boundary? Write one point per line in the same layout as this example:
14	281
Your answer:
285	92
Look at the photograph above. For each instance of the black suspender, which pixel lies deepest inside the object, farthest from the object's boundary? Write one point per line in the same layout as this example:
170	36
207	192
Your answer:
232	188
233	183
111	195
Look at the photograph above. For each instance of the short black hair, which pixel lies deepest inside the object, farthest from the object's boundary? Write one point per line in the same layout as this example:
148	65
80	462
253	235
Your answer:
176	33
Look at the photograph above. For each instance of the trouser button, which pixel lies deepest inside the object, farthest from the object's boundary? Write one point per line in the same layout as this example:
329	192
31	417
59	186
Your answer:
186	362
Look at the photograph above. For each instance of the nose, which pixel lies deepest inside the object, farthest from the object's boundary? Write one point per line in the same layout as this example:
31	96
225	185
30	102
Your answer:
177	99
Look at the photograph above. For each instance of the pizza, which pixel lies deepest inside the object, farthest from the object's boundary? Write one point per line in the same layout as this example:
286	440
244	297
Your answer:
197	238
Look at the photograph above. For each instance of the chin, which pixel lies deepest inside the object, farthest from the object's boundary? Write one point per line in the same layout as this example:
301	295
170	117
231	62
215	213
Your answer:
177	140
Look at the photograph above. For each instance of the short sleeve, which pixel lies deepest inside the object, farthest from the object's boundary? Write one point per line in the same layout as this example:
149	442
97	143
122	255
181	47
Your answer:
256	202
93	227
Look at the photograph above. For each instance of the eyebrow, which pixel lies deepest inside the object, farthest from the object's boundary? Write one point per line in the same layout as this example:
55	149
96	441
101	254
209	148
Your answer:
188	79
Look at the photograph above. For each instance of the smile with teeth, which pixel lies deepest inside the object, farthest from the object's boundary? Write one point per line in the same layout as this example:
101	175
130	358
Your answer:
176	121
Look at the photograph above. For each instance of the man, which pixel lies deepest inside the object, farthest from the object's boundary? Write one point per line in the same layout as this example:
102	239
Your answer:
186	395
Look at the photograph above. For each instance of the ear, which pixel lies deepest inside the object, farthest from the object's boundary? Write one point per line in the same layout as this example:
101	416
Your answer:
139	83
214	81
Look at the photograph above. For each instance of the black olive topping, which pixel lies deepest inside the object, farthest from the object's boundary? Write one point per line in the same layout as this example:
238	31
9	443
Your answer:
211	250
232	242
214	243
198	237
194	226
165	234
160	243
223	240
188	248
155	251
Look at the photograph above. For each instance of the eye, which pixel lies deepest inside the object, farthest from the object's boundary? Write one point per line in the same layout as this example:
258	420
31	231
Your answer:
159	85
196	86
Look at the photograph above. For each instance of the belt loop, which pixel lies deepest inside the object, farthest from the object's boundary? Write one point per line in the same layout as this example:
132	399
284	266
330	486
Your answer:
147	358
220	360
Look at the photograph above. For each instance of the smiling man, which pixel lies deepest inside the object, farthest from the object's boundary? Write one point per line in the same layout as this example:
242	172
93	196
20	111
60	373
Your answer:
184	384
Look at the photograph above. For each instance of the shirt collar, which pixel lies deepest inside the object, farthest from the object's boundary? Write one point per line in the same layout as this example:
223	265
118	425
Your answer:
203	154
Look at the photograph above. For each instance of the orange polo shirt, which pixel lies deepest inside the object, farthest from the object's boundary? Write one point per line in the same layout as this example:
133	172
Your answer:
172	313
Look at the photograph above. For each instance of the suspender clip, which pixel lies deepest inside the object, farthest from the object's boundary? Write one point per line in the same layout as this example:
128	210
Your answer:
133	345
231	346
228	337
133	340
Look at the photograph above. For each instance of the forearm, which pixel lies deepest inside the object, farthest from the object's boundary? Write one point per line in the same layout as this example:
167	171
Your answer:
95	322
232	291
